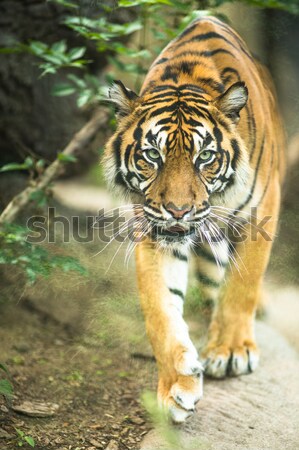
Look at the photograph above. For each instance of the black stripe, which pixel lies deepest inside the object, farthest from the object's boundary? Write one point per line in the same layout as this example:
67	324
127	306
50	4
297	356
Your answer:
170	73
253	126
177	292
219	87
164	87
250	195
160	61
201	251
204	279
170	108
236	156
227	73
268	178
204	53
188	30
180	256
208	53
119	180
232	33
208	36
191	87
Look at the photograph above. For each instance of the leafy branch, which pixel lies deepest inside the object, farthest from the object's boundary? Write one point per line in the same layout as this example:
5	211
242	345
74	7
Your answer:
77	144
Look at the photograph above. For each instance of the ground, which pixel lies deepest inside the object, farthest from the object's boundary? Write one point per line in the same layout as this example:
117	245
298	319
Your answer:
76	341
98	388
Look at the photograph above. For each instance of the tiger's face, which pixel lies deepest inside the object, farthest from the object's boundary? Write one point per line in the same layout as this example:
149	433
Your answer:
175	151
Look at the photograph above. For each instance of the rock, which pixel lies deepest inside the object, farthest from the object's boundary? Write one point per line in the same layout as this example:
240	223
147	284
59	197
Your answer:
98	426
36	409
95	443
112	445
22	347
254	412
137	420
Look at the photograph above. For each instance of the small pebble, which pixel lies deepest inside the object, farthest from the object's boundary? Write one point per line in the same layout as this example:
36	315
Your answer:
112	445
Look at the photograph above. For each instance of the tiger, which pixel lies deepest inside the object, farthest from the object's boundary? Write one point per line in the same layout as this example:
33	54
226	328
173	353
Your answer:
200	153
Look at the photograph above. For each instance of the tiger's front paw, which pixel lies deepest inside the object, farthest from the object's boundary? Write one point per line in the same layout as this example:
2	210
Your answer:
230	360
179	391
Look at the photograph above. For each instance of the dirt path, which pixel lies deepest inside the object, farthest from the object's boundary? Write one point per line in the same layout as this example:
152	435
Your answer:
256	412
97	388
72	341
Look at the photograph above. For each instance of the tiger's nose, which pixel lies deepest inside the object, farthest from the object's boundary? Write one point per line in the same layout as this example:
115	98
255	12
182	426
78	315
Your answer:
177	212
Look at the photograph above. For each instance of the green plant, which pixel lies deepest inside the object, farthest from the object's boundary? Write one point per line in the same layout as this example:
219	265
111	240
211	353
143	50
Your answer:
33	259
35	167
6	388
56	56
75	376
156	21
24	438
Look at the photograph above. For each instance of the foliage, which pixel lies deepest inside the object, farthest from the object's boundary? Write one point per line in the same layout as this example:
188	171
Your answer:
155	21
6	388
34	259
26	165
56	56
24	439
291	6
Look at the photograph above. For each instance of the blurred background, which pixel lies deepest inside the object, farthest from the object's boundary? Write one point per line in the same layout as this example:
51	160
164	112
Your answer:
72	332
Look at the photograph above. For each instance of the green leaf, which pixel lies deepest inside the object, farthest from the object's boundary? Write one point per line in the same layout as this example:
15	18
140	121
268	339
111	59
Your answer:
13	166
29	162
6	388
20	432
40	164
48	68
63	89
31	274
38	48
84	98
4	368
57	59
76	80
76	53
80	63
66	158
39	197
30	440
59	47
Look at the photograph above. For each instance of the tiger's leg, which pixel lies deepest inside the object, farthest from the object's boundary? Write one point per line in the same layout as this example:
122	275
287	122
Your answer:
231	348
162	280
209	274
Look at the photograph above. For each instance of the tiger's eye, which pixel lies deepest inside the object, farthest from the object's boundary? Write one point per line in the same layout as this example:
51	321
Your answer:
153	154
205	155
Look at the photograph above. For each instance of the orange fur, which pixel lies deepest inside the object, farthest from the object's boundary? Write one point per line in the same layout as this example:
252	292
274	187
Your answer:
210	57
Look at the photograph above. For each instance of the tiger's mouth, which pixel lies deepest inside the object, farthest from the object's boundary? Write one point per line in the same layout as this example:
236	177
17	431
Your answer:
174	233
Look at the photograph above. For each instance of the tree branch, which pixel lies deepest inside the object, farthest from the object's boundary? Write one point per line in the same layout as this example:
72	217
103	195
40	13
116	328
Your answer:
77	144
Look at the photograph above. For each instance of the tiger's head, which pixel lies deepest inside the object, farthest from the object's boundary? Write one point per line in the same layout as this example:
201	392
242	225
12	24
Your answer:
176	151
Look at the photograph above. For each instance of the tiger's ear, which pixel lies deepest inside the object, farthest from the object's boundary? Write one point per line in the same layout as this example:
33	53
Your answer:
122	97
233	100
